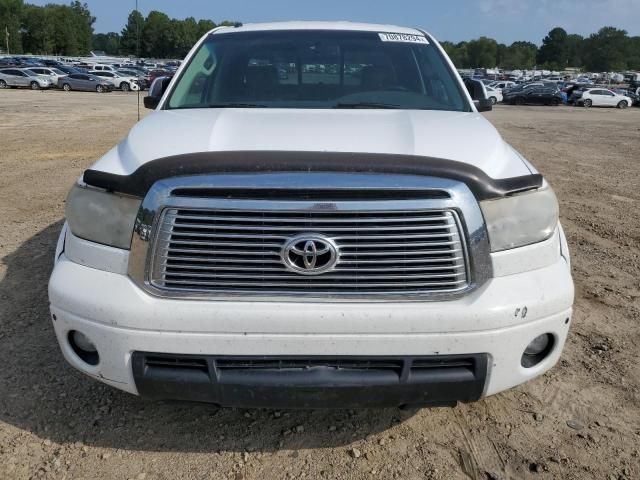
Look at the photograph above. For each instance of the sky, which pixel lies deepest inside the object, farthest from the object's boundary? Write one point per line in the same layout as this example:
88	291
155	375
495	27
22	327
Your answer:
455	20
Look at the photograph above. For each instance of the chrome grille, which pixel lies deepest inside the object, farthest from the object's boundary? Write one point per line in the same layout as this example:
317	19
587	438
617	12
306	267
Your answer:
220	251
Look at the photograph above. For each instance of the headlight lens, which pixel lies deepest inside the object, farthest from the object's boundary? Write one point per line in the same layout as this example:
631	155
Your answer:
522	219
101	217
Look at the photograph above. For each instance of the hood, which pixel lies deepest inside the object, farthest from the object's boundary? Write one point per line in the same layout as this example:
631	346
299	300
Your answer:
463	137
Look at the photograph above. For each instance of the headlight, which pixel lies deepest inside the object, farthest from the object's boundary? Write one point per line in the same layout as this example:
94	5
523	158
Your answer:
522	219
101	217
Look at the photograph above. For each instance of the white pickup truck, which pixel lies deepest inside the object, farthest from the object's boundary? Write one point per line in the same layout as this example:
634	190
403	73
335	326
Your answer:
315	215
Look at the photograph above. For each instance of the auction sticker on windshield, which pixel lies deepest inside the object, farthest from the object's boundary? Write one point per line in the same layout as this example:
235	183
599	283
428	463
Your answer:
403	37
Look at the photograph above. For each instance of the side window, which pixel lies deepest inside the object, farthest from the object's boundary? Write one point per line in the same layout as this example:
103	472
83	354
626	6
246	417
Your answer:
192	86
608	93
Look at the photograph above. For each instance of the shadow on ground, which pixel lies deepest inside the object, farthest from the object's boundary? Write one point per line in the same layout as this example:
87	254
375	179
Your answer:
40	393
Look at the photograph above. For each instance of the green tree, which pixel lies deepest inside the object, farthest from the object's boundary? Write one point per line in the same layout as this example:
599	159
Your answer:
37	30
482	52
458	53
131	33
184	34
10	17
107	42
575	48
204	26
634	55
608	50
156	35
519	55
554	50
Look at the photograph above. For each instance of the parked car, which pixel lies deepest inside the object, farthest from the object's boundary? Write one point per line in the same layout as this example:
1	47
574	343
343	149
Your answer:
68	69
502	84
494	95
21	77
85	82
52	74
103	68
124	83
142	79
428	267
602	97
539	94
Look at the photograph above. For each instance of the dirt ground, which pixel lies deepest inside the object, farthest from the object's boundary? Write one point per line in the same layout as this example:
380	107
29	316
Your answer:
579	421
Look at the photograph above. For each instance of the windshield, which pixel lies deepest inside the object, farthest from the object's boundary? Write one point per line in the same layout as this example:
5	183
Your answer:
318	69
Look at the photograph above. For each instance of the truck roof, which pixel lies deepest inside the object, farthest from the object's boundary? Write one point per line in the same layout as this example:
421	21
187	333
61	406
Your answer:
309	25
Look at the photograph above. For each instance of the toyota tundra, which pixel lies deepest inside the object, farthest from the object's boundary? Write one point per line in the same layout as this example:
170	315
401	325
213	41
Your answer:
314	215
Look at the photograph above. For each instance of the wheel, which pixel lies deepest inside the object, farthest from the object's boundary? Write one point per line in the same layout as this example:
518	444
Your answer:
124	86
99	89
35	86
623	104
3	84
494	100
587	103
66	87
519	101
555	102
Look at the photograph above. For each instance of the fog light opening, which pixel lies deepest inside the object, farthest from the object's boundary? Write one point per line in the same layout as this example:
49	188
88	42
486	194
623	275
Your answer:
84	347
537	350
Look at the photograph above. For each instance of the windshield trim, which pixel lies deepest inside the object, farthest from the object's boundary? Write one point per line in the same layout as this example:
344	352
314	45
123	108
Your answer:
455	78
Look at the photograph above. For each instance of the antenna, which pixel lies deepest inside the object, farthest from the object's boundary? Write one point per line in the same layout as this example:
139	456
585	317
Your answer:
138	54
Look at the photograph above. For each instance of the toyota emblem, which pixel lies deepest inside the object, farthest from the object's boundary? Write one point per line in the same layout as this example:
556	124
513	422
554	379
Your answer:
310	254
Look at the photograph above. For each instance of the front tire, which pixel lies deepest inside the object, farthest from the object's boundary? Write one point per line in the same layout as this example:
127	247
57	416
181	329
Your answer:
494	100
124	86
66	87
555	102
623	104
35	86
3	84
99	89
588	103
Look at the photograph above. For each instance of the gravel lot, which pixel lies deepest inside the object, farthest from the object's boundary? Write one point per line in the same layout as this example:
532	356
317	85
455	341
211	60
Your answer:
580	421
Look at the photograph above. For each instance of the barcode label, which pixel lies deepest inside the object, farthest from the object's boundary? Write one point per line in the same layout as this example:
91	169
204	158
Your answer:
403	37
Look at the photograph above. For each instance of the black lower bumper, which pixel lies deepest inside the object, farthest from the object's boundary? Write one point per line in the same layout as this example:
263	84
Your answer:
311	382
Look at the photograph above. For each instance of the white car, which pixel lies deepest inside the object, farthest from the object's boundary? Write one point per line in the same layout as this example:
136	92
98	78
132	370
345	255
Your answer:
494	95
602	97
502	84
52	74
352	234
122	82
104	68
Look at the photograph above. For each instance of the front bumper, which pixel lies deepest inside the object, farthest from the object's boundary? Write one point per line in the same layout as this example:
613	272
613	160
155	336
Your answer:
495	323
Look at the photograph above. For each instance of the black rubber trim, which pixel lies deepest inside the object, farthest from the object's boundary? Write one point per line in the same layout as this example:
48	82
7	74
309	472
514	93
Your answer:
311	382
139	182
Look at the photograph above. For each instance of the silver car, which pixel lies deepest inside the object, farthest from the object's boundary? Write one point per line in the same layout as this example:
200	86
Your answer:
50	73
22	77
85	82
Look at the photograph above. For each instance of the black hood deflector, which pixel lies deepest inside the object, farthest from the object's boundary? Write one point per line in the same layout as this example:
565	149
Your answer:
140	181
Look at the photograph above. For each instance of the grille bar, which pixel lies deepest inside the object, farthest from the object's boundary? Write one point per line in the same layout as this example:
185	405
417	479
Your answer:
221	251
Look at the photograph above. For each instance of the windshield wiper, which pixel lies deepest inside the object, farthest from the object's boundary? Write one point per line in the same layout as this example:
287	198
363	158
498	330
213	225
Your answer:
366	105
236	105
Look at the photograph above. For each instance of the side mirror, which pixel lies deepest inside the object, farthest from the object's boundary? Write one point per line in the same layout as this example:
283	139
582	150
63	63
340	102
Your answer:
158	87
478	94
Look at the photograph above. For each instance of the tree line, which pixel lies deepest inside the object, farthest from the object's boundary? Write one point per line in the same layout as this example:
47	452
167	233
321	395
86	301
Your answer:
610	49
68	30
